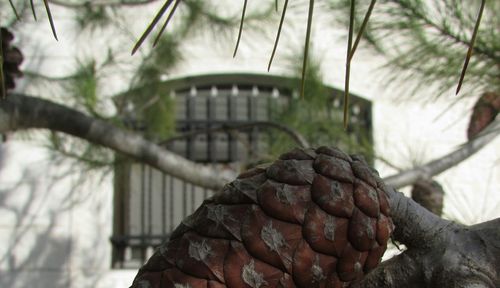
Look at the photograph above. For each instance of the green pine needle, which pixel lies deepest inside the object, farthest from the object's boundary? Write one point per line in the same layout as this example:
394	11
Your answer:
306	48
241	27
471	46
151	25
278	35
166	22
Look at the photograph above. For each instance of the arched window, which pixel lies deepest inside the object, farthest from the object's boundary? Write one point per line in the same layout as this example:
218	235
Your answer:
150	204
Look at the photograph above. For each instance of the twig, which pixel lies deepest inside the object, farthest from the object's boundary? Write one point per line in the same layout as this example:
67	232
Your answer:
441	164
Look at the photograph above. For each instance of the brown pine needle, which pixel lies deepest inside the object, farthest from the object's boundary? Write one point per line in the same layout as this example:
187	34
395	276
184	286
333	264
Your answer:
3	93
278	35
166	22
241	28
14	9
49	14
151	25
471	46
33	9
348	65
306	48
362	29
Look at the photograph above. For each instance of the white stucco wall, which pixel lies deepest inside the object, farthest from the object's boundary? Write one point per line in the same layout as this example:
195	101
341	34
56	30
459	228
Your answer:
54	236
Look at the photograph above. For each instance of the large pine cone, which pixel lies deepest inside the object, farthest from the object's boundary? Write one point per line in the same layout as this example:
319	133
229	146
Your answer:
314	218
12	59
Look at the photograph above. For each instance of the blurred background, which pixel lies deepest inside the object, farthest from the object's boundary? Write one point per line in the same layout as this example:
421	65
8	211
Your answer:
74	214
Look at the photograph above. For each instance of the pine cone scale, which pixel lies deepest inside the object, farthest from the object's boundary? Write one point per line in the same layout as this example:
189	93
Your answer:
314	218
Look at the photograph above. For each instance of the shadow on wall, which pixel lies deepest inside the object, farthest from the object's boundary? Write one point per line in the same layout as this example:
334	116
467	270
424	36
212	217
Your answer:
38	233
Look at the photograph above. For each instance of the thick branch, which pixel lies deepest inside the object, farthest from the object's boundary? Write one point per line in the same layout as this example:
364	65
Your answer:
437	166
294	135
20	112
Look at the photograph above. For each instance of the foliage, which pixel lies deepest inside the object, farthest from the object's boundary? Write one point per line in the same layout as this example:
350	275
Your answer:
316	117
425	42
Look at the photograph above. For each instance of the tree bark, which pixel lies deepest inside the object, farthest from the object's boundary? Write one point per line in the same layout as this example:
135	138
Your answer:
440	253
445	162
20	112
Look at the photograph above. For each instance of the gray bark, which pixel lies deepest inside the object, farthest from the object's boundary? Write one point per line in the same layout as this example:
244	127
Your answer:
440	253
446	162
19	112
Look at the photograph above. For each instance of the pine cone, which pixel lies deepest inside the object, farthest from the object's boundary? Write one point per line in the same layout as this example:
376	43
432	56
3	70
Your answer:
314	218
484	112
12	59
430	195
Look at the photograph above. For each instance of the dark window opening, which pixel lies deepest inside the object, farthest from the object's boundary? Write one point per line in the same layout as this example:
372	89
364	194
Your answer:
149	204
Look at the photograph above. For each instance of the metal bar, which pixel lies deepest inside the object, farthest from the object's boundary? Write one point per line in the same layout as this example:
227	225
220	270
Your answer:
143	206
164	203
184	199
150	201
190	107
193	202
210	115
171	210
231	115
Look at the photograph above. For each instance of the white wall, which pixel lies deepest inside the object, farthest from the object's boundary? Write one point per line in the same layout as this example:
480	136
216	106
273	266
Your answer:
54	236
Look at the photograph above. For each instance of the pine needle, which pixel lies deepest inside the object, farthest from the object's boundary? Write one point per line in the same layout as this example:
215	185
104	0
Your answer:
362	29
278	35
276	5
33	9
471	46
306	48
241	28
49	14
14	9
151	25
166	22
3	93
348	65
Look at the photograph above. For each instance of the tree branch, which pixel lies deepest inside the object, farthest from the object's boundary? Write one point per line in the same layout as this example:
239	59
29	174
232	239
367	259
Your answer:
20	112
437	166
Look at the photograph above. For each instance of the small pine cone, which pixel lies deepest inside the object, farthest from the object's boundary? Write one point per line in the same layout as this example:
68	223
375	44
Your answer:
430	195
313	218
484	112
12	59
